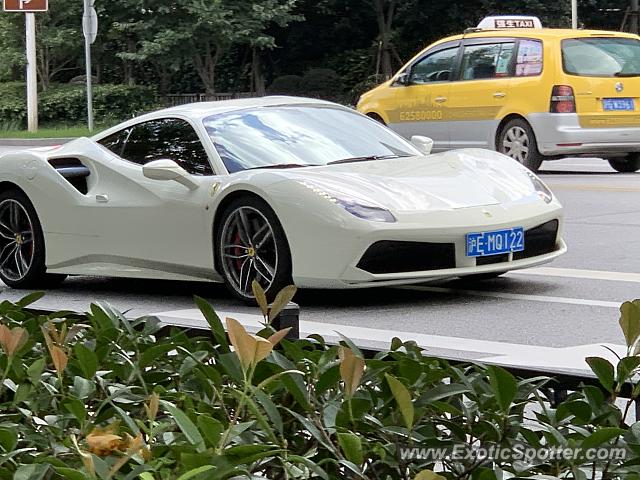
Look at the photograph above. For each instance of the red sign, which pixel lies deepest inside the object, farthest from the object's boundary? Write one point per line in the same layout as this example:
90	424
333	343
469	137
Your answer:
26	5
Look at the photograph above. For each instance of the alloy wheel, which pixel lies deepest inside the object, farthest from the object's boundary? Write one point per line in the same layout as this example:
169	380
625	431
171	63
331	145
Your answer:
248	250
516	143
16	240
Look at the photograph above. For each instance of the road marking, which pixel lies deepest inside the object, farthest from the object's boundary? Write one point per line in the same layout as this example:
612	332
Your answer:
515	296
577	273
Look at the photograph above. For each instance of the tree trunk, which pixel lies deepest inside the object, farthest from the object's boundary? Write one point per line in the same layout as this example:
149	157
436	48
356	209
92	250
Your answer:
205	63
385	24
257	74
129	76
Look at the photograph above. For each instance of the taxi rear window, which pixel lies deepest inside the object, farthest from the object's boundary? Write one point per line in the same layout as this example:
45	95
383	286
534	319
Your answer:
601	57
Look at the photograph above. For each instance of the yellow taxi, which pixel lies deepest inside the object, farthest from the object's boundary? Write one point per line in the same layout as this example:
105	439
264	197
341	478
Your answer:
529	92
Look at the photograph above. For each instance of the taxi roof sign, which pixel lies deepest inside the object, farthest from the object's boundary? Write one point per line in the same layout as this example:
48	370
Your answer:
509	21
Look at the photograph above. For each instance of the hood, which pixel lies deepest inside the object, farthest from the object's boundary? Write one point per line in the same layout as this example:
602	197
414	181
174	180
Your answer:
450	180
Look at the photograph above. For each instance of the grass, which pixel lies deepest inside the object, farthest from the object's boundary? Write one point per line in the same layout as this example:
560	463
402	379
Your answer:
57	132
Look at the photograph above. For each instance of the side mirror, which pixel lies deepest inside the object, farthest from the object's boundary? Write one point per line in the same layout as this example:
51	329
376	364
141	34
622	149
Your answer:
402	79
168	170
424	144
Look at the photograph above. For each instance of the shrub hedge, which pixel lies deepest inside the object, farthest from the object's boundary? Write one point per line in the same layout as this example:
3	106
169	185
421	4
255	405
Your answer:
64	104
99	396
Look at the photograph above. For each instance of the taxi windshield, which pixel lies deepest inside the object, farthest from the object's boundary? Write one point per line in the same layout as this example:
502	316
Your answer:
300	135
601	57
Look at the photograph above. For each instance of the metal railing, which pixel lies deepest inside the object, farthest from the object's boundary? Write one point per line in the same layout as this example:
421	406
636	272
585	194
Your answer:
175	99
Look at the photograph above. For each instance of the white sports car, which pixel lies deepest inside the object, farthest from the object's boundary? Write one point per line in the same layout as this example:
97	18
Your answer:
276	189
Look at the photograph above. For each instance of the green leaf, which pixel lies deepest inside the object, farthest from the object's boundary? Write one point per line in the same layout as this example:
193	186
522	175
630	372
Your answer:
71	473
403	399
151	354
34	471
186	425
270	408
87	360
626	368
146	476
214	322
211	429
603	370
503	385
29	299
76	408
601	436
351	446
8	439
282	299
580	409
428	475
444	390
82	387
630	321
195	472
35	370
315	468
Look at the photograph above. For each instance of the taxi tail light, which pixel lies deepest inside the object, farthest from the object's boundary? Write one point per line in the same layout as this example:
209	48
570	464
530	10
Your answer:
562	100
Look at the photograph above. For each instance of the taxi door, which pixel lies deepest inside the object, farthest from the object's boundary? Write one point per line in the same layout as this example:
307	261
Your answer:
477	100
418	102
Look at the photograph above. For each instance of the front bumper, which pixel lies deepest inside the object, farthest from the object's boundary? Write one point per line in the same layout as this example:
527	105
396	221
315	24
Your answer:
331	257
561	134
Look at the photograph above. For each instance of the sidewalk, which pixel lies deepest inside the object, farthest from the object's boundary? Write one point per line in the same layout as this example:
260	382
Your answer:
32	142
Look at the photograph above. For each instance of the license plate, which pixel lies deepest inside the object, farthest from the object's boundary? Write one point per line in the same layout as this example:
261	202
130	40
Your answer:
618	104
483	244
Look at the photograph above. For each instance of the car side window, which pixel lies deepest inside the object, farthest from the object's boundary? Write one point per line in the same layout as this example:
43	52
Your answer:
529	60
487	61
436	67
115	142
167	138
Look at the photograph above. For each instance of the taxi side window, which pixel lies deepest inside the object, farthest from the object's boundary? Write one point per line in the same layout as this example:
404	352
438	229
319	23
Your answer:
487	61
436	67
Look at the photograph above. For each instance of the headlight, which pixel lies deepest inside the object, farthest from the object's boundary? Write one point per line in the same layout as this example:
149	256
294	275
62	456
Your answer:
356	207
541	189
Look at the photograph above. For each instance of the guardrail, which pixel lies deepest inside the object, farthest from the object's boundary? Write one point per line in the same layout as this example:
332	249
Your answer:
175	99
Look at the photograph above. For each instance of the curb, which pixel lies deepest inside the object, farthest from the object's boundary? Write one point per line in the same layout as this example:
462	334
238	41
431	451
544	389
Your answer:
33	142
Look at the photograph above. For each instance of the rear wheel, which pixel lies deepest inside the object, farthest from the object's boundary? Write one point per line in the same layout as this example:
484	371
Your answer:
628	164
517	140
22	249
251	245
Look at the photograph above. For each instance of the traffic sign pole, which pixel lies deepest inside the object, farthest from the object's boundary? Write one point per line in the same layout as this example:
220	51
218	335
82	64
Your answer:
32	73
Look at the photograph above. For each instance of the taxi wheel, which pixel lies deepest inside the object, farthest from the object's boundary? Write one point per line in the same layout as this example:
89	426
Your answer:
629	164
518	141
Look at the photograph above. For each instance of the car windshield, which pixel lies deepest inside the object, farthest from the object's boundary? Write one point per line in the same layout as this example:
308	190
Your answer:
601	57
300	135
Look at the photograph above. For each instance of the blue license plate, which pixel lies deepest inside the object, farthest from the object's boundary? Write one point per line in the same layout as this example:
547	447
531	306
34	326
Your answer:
483	244
618	104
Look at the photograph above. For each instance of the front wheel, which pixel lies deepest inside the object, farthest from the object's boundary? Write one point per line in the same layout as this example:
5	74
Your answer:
251	245
629	164
517	140
22	249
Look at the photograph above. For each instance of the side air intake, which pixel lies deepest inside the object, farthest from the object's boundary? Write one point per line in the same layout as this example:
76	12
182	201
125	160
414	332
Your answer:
73	171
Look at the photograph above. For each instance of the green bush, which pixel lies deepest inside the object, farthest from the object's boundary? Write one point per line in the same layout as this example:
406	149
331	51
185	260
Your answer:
65	104
323	83
286	85
98	396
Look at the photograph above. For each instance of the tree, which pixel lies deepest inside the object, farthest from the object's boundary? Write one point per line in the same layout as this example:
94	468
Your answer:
12	54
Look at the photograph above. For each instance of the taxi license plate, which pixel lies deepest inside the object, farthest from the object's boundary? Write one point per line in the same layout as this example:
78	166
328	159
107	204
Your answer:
482	244
618	104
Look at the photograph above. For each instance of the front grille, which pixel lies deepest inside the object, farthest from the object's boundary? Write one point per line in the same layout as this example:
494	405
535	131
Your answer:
398	257
491	259
539	240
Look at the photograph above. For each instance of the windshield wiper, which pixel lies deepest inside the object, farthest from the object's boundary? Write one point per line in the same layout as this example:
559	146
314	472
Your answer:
627	74
285	165
366	159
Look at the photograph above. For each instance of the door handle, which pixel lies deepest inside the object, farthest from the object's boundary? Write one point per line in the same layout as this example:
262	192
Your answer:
102	198
499	95
440	99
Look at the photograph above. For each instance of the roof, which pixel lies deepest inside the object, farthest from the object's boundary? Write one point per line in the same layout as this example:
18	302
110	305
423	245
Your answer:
204	109
539	32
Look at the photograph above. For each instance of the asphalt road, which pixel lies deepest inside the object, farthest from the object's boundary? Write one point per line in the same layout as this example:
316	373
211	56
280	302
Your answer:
572	302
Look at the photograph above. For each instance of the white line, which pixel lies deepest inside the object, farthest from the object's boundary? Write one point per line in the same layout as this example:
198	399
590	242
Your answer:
516	296
577	273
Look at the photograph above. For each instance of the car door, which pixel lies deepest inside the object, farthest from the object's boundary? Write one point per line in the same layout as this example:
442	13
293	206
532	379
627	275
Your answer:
477	100
421	96
152	224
